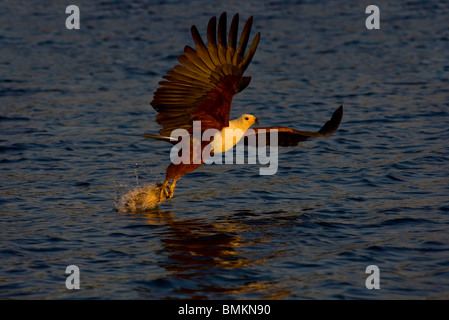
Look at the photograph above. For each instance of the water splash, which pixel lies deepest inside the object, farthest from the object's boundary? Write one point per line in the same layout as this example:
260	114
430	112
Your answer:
141	198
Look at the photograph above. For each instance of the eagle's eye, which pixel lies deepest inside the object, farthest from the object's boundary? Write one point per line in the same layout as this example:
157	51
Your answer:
246	118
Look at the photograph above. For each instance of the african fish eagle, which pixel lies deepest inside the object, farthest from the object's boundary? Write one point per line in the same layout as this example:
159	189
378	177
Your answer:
202	88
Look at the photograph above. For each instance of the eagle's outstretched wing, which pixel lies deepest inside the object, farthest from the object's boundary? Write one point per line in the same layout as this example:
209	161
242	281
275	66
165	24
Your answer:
202	88
291	137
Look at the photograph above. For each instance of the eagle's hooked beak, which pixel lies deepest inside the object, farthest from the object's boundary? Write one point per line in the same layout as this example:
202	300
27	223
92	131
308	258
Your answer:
256	121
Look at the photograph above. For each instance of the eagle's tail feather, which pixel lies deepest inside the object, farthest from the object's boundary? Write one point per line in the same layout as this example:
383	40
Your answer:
158	137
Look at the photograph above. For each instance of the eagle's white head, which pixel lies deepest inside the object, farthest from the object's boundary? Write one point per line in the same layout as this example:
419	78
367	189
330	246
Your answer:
245	121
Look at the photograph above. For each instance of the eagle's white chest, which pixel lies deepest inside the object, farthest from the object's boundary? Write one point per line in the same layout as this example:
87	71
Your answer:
227	138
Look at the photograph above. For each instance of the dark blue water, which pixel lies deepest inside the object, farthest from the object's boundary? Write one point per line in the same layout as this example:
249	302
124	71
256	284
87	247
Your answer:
74	104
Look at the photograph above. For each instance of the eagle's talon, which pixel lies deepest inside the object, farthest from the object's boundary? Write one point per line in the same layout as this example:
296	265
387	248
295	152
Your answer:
164	192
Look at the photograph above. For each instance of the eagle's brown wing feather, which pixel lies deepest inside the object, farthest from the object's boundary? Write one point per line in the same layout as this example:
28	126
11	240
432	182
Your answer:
291	137
202	87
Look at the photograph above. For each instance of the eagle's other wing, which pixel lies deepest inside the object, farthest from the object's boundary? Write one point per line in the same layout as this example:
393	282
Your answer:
202	88
291	137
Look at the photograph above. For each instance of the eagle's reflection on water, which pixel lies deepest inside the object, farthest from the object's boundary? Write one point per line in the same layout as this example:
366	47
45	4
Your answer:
199	252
